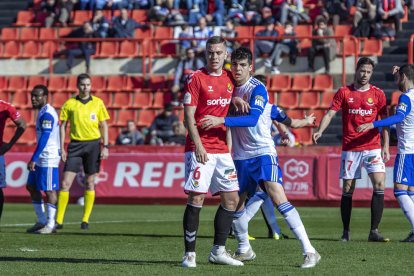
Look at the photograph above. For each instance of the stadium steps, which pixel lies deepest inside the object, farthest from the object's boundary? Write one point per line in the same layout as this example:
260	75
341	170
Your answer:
9	10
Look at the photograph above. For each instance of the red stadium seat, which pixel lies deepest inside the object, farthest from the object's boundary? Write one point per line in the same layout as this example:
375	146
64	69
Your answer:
3	83
309	100
288	100
35	80
11	49
5	95
98	83
145	117
122	100
304	30
128	49
319	113
163	32
105	97
113	133
25	18
21	99
47	33
295	114
29	33
301	82
142	100
57	83
40	19
28	116
326	99
244	31
371	47
157	83
272	98
124	115
17	83
322	83
58	99
160	99
394	97
343	30
280	82
140	15
348	46
112	117
134	83
81	17
304	135
64	32
10	33
107	49
168	49
48	49
115	83
28	137
31	49
72	83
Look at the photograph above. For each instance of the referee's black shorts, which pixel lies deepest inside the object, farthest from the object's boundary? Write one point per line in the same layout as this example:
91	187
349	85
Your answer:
86	153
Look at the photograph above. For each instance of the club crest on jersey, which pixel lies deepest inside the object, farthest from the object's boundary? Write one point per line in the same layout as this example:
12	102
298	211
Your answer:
210	88
187	98
195	184
350	100
403	107
229	88
259	100
47	124
370	101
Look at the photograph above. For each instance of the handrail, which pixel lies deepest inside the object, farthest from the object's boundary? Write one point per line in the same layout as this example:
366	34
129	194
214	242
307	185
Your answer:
410	49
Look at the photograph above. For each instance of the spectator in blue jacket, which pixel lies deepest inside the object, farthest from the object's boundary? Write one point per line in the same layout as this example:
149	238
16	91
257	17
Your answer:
100	24
214	12
123	26
262	46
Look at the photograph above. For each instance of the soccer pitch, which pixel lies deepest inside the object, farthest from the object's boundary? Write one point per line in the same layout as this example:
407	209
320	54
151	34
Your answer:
147	240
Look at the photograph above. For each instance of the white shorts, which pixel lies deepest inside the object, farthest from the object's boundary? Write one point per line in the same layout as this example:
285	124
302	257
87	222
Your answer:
217	175
351	162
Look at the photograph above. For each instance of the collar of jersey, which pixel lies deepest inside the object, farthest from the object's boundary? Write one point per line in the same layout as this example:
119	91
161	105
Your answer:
84	101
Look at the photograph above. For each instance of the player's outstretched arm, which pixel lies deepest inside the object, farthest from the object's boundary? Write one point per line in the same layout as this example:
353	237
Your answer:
200	151
21	127
298	123
326	120
285	140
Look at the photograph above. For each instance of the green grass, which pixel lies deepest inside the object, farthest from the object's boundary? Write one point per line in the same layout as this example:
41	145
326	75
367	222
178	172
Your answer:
147	240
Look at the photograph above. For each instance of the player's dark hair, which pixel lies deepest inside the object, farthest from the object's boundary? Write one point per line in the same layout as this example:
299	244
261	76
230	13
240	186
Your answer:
365	61
215	40
261	78
408	71
43	88
242	53
82	77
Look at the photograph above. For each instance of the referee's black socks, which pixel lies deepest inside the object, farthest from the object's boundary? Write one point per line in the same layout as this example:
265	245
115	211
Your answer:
222	224
377	207
190	224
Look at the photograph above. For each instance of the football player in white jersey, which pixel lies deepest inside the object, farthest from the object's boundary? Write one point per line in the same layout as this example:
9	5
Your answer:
44	164
404	161
255	156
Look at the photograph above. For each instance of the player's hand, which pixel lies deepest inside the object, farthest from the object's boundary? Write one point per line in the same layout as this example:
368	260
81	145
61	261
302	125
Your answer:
310	119
208	122
104	153
395	69
201	155
31	166
316	136
4	148
365	127
284	139
63	155
240	105
385	155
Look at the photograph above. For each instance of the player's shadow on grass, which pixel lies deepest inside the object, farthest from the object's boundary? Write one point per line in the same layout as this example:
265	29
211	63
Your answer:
86	261
128	235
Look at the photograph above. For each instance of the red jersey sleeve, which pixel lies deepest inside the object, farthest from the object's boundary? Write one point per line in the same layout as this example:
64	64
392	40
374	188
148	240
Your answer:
192	88
337	100
13	113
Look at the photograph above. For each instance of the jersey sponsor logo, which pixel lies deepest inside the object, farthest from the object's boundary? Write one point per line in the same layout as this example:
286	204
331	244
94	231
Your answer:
370	101
229	88
47	124
360	111
403	107
220	101
259	100
93	117
210	88
187	98
350	100
230	174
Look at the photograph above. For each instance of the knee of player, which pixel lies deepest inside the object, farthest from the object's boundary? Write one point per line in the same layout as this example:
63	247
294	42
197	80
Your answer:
195	199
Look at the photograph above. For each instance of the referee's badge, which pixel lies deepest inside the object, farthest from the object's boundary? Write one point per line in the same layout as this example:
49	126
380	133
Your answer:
93	117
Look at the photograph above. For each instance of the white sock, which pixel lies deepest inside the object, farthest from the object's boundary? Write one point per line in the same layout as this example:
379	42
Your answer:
269	212
411	195
40	211
292	218
240	227
407	205
253	205
51	215
218	249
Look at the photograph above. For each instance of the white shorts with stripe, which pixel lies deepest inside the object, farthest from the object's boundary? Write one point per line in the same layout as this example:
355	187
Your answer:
218	174
352	161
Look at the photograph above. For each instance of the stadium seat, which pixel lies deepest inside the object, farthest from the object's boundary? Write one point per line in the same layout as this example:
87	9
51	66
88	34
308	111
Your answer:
27	115
343	30
295	114
112	117
48	48
348	46
140	15
113	133
5	95
309	100
58	99
134	83
105	97
72	83
157	82
11	49
28	137
25	18
371	47
304	30
160	99
29	33
3	83
47	33
271	97
145	117
122	100
64	32
10	33
301	83
57	83
163	32
246	32
142	33
304	135
115	83
98	83
81	17
21	99
125	115
319	113
35	80
168	49
280	83
107	49
288	100
142	100
128	49
394	97
326	99
322	82
17	83
31	49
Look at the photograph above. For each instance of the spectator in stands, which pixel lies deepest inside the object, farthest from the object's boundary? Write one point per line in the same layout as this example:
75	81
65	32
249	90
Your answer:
184	68
186	32
161	128
293	10
118	4
229	31
100	24
213	11
58	12
285	46
123	26
365	9
391	11
201	31
321	46
253	9
338	10
131	135
265	46
84	48
160	10
179	135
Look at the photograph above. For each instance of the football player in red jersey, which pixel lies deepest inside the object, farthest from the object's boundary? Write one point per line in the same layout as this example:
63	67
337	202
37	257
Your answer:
8	111
208	163
361	103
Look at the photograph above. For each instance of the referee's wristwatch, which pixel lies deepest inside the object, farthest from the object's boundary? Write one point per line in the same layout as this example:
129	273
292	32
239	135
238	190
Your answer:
106	146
